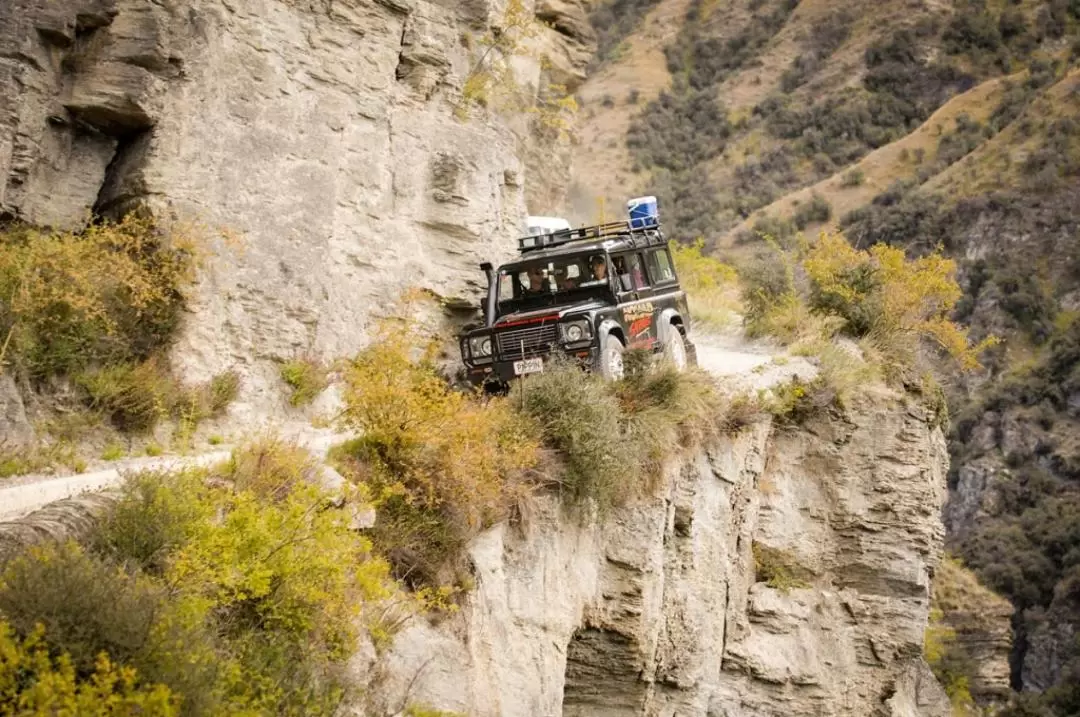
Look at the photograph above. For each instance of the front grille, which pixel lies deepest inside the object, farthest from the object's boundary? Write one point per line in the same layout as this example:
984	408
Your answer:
536	339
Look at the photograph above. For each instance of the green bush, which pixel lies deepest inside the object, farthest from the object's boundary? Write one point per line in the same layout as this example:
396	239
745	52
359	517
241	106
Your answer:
614	21
816	211
825	37
853	178
702	60
35	682
85	605
306	376
136	397
580	418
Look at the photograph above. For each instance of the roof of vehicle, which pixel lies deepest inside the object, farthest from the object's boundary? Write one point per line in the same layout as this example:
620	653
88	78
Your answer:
613	236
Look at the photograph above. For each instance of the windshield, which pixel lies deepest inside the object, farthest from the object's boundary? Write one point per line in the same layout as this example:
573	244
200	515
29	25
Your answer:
552	280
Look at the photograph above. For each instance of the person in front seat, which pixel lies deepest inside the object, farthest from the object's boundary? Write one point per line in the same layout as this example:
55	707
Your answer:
599	267
536	280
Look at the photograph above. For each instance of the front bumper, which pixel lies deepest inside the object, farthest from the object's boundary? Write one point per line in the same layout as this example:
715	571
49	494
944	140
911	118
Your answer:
502	371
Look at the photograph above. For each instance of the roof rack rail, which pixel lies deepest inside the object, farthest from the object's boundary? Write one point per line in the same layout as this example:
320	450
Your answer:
566	236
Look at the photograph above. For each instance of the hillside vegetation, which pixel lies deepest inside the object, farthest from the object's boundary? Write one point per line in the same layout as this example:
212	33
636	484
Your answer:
926	126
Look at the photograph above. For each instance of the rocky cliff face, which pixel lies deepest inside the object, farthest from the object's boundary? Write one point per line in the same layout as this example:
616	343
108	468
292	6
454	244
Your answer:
321	131
659	609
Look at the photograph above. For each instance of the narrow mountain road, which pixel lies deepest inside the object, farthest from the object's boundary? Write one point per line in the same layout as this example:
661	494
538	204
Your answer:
739	364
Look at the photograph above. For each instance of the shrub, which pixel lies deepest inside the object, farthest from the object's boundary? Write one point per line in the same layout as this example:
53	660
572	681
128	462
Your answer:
267	581
971	28
853	178
38	458
824	38
712	284
441	460
797	401
85	605
136	396
306	376
678	131
33	681
816	211
614	21
896	301
110	294
113	452
580	418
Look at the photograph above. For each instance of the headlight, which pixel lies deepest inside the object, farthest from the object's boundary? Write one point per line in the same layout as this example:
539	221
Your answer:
480	346
575	331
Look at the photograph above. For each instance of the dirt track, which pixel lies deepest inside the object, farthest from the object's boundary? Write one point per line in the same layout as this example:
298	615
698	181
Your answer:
741	365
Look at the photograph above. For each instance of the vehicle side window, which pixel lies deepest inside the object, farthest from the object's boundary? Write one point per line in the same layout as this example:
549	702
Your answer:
622	271
506	287
659	264
637	271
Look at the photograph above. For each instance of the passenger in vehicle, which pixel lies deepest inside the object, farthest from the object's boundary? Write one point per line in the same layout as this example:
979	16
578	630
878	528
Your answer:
621	272
598	267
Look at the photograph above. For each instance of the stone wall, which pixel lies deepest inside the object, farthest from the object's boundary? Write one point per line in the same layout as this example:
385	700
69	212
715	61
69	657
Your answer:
658	610
321	131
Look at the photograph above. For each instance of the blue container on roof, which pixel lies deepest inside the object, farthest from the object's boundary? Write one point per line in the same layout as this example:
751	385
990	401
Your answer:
643	212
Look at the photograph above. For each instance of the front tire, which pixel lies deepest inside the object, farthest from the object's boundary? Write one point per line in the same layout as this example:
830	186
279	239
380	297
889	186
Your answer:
610	359
675	350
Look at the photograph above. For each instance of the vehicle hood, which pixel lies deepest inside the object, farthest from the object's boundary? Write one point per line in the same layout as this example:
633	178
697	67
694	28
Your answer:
554	312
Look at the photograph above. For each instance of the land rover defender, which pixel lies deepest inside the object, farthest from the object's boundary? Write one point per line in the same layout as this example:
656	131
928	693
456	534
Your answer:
589	293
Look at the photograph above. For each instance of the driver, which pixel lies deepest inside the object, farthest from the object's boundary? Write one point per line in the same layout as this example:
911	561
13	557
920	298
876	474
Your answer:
536	280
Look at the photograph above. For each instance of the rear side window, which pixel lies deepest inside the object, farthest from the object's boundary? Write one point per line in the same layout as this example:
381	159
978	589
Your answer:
659	263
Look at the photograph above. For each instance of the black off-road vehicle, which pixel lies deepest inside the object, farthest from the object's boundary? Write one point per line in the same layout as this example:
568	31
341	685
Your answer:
589	293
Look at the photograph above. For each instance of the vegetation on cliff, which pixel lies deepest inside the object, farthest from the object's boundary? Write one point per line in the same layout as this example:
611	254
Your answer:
238	589
86	318
442	465
944	128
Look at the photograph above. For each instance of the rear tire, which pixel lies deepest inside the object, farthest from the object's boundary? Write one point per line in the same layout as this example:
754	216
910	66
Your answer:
610	359
675	350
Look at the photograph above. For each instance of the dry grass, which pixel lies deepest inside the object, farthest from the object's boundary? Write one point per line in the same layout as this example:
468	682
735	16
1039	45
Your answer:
884	166
959	594
997	163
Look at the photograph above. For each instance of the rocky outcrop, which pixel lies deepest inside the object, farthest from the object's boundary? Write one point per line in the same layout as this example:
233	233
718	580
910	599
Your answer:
658	609
323	133
981	631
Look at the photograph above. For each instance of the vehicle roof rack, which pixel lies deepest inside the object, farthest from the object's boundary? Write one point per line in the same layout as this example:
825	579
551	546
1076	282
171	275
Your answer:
593	233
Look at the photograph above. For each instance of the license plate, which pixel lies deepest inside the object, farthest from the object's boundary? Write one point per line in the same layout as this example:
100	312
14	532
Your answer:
533	365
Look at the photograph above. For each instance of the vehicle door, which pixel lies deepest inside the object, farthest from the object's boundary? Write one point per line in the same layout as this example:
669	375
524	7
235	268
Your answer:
638	308
666	292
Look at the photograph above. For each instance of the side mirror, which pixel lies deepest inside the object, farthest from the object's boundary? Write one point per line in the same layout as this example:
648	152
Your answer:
624	282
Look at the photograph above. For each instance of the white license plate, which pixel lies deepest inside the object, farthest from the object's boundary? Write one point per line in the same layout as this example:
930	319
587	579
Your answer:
533	365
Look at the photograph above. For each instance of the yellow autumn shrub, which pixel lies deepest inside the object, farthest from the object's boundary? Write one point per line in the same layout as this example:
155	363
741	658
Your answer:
440	464
711	284
34	683
896	301
112	292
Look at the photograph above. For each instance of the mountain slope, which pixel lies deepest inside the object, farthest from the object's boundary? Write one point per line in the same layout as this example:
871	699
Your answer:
952	123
